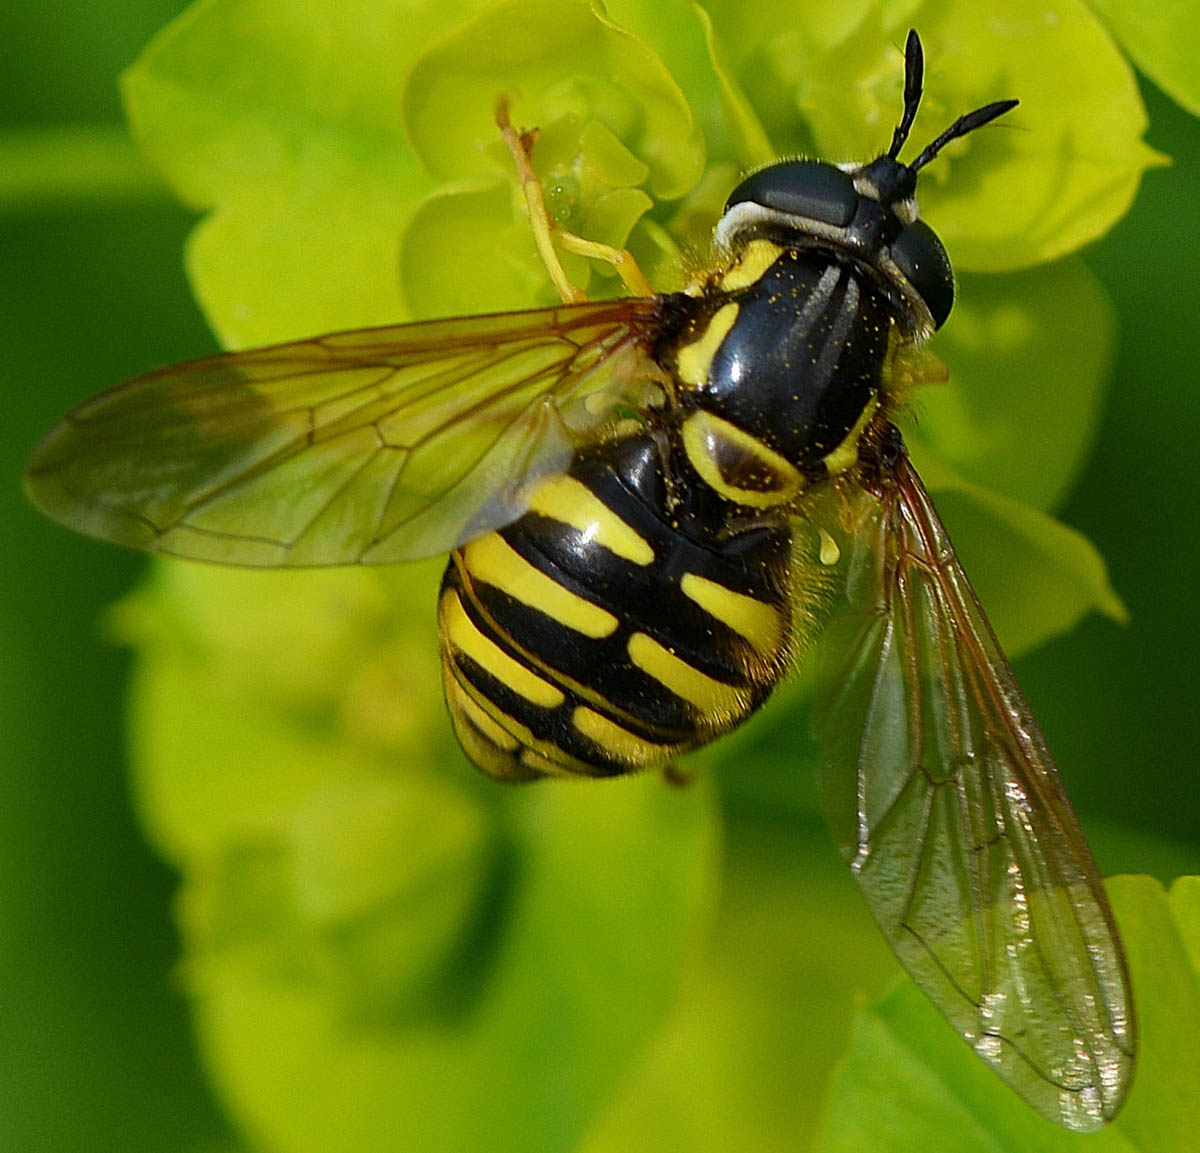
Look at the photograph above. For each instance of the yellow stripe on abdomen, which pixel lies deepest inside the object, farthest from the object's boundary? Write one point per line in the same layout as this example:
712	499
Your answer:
620	744
749	617
484	722
500	745
490	559
539	763
572	503
462	635
713	698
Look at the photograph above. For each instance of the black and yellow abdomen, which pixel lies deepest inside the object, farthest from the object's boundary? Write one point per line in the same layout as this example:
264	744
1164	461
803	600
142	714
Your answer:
612	628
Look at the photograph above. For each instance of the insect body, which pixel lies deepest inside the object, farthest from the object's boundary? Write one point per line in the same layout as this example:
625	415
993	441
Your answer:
650	505
643	605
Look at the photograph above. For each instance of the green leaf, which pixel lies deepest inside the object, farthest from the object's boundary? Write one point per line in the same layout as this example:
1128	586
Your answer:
909	1082
1185	904
614	129
1059	175
446	234
743	1062
1160	932
560	59
281	671
749	142
1029	356
285	126
316	895
537	1015
281	122
681	31
1163	39
758	35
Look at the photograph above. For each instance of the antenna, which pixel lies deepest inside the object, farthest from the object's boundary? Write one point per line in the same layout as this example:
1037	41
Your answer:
961	127
914	72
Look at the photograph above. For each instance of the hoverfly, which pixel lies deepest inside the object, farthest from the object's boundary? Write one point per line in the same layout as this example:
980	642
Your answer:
651	505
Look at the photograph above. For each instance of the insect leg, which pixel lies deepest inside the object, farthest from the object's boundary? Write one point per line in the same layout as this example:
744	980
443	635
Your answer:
621	259
546	234
679	778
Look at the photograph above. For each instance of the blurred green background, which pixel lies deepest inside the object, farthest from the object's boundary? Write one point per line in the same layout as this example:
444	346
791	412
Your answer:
95	1047
95	1050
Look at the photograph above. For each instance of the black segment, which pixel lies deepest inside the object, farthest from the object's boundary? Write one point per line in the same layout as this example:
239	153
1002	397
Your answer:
810	189
891	180
919	254
803	358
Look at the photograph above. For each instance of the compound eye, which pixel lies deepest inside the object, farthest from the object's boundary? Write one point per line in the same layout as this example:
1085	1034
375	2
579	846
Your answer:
919	254
805	188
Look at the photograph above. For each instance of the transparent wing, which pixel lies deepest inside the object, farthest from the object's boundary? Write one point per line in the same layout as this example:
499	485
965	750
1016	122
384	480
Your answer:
946	804
373	446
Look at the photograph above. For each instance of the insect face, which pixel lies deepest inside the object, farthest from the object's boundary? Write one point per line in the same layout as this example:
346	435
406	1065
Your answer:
866	212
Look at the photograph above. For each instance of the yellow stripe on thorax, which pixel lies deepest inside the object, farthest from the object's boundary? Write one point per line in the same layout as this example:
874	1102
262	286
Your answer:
571	502
753	261
749	617
846	454
693	360
460	632
736	464
490	559
711	697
